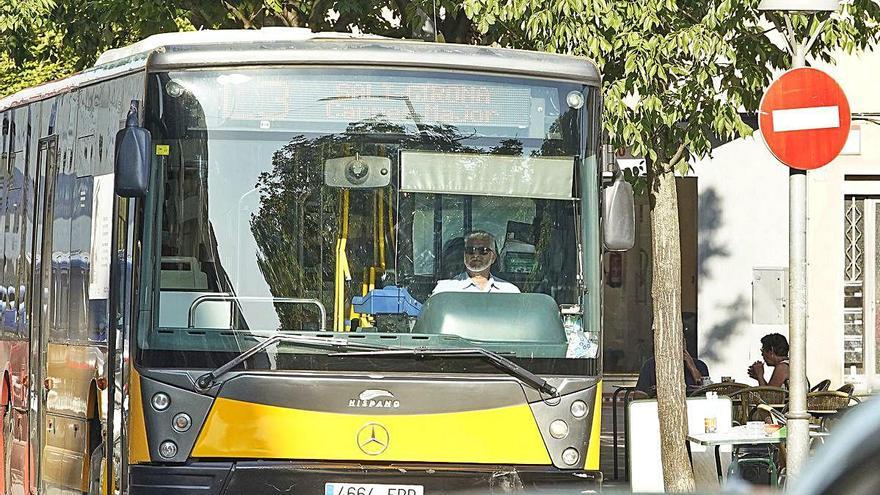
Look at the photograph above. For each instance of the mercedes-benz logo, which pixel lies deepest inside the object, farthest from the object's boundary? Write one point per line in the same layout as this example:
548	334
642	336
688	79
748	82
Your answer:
372	439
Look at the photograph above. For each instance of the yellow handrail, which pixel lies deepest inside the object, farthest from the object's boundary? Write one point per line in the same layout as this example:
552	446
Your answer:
380	198
342	272
391	215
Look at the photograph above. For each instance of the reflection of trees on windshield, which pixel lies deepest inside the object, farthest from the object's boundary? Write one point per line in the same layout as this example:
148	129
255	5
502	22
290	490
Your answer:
288	226
298	220
512	147
564	133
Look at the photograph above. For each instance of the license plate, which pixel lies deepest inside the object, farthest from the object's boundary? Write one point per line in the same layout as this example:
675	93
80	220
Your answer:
367	489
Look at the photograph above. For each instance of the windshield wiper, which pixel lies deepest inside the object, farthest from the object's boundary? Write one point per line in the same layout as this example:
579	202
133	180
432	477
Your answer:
501	362
205	381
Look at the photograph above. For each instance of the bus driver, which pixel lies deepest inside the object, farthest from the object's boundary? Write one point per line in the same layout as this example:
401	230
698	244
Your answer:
479	254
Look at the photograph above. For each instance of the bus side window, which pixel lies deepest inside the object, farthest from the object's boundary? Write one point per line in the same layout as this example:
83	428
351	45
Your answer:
6	164
81	228
10	253
4	280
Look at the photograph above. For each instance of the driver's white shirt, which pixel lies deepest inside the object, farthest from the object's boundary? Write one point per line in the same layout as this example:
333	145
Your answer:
463	283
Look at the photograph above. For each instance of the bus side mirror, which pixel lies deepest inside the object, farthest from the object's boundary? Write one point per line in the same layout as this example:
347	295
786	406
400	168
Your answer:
619	217
132	159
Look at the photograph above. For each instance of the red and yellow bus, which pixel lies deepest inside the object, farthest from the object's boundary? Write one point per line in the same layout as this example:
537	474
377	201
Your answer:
264	261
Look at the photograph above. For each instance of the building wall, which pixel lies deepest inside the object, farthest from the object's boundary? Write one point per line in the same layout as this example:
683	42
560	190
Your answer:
743	224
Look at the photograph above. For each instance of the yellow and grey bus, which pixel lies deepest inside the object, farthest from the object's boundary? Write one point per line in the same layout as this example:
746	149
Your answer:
242	262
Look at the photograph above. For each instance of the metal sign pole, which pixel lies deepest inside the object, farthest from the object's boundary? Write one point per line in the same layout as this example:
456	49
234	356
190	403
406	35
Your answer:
797	418
798	441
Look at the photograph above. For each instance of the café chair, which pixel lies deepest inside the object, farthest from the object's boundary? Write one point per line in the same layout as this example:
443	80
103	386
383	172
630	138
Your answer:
828	400
756	463
776	416
821	386
825	404
759	463
848	388
747	400
722	388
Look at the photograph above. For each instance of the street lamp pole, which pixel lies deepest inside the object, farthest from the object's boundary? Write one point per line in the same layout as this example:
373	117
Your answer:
797	418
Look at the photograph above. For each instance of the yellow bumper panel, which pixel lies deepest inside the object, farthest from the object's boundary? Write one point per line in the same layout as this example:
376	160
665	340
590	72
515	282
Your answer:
592	462
138	448
236	429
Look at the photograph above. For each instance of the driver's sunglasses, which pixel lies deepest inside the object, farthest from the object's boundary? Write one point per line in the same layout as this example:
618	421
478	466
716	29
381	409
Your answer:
481	250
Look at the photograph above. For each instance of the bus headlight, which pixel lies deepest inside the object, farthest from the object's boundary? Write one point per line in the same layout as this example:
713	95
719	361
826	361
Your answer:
578	409
570	456
160	401
559	429
181	422
168	449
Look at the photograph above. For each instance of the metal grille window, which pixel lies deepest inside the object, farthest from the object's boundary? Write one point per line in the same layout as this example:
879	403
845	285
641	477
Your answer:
861	336
875	290
853	291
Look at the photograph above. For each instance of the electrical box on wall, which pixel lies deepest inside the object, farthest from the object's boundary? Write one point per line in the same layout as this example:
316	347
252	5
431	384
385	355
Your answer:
770	296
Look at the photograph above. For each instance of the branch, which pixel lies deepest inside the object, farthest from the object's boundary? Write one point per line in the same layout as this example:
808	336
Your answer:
290	14
677	157
316	17
515	34
343	22
295	17
198	17
245	21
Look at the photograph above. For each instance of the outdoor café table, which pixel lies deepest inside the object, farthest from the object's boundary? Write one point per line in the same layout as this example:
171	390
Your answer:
737	435
740	435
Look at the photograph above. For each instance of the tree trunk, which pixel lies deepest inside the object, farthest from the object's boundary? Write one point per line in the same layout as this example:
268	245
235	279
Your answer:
678	475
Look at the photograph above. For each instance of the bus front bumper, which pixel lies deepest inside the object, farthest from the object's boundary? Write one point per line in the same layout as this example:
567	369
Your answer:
288	478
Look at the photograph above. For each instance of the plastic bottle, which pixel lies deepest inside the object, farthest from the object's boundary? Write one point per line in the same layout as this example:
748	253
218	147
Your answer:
710	422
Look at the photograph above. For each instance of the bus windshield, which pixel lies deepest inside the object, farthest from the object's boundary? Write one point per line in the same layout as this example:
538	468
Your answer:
360	202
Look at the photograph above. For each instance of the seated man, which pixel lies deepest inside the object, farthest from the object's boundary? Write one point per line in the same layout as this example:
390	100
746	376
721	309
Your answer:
694	371
774	351
479	254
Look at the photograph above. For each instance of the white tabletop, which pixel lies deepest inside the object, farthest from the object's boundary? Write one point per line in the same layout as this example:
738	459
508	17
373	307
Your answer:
737	435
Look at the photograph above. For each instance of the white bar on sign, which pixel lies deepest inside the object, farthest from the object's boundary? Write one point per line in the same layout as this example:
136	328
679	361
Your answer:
802	119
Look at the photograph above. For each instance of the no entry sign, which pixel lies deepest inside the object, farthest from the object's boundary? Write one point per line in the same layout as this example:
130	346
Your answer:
804	118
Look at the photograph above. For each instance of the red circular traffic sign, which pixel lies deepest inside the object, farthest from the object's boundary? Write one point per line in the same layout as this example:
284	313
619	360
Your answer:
805	118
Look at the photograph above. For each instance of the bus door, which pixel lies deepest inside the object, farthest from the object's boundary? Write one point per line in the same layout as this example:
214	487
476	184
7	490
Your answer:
40	299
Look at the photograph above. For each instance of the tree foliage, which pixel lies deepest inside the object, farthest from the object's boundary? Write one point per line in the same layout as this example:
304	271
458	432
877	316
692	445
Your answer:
677	74
78	31
15	77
